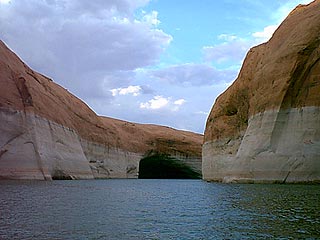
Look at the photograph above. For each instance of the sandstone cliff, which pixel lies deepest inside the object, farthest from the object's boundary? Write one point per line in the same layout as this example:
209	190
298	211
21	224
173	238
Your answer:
46	132
266	126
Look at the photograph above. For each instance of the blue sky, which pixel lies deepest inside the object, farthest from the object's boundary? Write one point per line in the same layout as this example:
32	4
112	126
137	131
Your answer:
194	24
147	61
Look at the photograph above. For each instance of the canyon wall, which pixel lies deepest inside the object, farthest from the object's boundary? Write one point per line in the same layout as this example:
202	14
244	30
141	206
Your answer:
36	148
266	126
47	133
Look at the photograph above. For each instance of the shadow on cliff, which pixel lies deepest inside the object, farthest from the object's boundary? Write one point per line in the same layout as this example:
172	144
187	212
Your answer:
161	166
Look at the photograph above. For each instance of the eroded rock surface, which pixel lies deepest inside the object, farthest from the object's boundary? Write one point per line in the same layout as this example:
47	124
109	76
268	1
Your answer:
266	126
48	133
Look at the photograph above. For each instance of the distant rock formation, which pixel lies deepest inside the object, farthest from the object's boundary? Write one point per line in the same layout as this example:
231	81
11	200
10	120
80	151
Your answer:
48	133
266	126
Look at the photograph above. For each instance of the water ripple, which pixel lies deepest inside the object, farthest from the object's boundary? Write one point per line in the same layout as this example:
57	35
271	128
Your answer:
157	209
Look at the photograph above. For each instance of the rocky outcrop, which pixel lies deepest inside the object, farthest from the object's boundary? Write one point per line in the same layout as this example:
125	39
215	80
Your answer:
266	126
48	133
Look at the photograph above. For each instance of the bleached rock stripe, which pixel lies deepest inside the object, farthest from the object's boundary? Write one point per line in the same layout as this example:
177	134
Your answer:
278	146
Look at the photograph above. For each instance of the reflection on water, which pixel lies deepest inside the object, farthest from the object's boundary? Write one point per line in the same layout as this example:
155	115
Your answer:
157	209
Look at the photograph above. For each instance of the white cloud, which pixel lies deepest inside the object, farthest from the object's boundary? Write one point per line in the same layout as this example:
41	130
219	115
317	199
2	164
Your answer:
266	34
179	102
156	103
83	45
134	90
279	15
5	1
227	37
151	18
160	102
202	113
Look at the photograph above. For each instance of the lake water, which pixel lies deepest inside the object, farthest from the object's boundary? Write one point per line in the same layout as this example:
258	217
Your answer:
157	209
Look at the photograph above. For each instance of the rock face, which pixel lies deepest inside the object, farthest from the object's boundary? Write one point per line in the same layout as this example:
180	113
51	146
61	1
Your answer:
266	126
47	133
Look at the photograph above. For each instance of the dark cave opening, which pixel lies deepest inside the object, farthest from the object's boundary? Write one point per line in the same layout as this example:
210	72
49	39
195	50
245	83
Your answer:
162	166
60	175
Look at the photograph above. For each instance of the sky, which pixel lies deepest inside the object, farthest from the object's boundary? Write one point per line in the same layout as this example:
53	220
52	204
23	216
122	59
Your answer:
147	61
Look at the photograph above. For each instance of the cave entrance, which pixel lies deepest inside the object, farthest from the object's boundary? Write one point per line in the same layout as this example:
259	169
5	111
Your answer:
165	167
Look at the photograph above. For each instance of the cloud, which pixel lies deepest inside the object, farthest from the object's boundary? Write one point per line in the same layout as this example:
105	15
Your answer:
227	37
234	48
95	7
202	113
134	90
179	102
192	74
156	103
160	102
83	45
232	51
266	34
151	18
146	89
5	1
279	15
